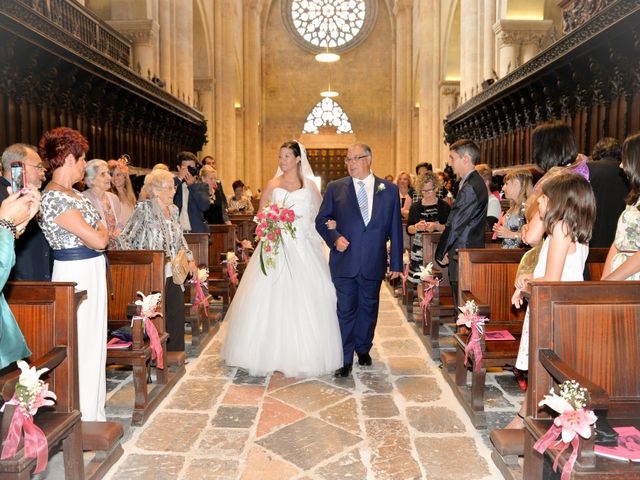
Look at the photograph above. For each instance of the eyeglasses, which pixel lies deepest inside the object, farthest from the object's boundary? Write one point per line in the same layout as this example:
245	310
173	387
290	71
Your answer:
39	166
354	159
428	191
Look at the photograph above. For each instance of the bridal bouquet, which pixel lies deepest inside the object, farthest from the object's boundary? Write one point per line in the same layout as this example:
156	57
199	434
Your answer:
574	421
273	220
31	393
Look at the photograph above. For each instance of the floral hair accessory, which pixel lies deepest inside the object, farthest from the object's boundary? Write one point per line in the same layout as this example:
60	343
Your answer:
469	317
381	187
574	421
273	220
123	163
30	394
148	310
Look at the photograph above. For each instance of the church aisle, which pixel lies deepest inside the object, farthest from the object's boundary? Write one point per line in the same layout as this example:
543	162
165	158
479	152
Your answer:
396	419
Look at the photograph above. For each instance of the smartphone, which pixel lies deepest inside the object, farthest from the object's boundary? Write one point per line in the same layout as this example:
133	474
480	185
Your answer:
17	176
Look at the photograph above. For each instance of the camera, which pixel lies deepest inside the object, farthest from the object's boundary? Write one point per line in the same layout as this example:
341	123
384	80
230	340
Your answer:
17	176
193	171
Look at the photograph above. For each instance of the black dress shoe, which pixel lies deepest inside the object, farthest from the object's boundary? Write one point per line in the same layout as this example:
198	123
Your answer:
364	359
344	371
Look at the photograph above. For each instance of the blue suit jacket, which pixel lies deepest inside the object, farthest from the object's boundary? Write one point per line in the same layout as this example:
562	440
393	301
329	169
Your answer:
367	252
198	204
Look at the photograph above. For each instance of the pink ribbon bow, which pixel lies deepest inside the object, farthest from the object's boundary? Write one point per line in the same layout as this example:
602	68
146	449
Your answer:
35	441
231	271
405	275
200	299
429	290
154	339
476	323
548	438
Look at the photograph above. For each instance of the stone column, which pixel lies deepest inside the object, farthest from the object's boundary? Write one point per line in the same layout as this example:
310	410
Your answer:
519	41
403	11
165	43
204	92
469	45
144	35
183	50
488	39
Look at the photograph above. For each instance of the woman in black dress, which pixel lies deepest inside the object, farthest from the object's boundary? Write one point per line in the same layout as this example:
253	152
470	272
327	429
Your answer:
428	215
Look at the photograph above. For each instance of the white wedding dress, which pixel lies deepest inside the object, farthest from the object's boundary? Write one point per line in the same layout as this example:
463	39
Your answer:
286	320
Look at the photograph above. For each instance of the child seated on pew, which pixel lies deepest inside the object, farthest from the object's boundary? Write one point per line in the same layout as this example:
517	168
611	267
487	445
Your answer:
567	209
623	260
517	188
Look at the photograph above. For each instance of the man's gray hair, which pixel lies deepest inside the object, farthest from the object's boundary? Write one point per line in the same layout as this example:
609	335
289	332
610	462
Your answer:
15	153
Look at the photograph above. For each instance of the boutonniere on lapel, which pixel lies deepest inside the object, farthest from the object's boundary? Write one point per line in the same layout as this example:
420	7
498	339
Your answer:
380	188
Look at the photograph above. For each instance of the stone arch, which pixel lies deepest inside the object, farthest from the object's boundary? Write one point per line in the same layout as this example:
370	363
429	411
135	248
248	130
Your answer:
450	55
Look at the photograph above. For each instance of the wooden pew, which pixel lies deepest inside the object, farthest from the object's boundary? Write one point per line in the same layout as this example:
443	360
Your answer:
221	240
588	332
143	271
486	276
46	315
245	226
203	325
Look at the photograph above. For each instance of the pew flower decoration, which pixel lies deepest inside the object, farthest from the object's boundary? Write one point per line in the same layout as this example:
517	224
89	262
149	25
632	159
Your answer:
429	284
574	421
406	259
469	317
245	246
232	267
148	310
272	220
200	283
30	394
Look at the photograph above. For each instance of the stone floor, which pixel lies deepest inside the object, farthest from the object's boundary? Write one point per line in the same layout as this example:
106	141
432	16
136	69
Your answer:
397	419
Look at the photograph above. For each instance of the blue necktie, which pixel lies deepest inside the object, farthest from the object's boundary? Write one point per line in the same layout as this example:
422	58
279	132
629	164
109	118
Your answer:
363	203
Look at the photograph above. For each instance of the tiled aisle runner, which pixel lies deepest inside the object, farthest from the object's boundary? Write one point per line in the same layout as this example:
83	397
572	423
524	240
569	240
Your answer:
394	420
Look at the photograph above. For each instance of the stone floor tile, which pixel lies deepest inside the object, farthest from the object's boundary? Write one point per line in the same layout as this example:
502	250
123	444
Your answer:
390	450
278	380
493	396
509	384
261	465
308	442
348	467
172	432
379	406
434	420
418	389
197	394
243	395
391	319
118	372
234	417
275	414
343	415
393	332
210	367
121	401
403	366
375	382
451	458
150	467
212	469
223	442
242	377
400	348
310	396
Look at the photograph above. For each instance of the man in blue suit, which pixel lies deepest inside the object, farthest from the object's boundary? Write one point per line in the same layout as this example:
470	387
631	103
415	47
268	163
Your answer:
192	193
366	211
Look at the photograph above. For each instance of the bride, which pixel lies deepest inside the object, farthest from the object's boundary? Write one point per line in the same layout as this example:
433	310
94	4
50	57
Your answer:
286	320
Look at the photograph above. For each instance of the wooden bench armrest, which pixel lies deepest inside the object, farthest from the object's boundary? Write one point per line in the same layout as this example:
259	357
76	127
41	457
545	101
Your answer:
51	360
483	308
561	371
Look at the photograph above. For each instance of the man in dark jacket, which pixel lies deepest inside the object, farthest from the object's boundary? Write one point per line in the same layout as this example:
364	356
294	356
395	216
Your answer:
194	194
33	254
610	188
466	223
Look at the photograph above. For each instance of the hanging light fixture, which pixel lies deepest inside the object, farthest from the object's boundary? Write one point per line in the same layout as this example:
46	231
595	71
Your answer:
327	57
329	93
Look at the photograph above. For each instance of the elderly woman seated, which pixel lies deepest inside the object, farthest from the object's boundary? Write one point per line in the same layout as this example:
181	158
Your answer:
154	225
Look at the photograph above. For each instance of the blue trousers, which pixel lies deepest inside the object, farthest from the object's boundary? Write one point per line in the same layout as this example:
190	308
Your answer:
358	301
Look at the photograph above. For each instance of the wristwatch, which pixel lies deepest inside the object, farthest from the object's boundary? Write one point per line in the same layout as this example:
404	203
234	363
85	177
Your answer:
8	224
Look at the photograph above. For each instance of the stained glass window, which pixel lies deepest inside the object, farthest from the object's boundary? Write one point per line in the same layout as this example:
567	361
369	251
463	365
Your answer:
326	23
327	113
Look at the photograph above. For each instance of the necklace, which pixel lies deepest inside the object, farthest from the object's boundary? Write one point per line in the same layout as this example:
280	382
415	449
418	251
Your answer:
62	186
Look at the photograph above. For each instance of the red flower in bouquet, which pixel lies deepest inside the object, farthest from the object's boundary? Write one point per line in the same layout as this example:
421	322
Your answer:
272	221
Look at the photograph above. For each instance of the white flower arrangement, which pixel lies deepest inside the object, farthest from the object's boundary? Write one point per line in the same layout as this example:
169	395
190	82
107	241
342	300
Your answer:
203	275
149	303
425	273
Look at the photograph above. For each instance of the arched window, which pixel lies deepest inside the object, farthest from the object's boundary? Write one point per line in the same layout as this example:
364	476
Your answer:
337	24
327	113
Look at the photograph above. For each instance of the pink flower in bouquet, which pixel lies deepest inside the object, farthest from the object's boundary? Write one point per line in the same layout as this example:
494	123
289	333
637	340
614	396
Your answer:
271	236
570	420
278	231
273	221
267	249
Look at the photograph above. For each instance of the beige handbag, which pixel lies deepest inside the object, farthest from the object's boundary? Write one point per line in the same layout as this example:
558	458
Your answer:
180	267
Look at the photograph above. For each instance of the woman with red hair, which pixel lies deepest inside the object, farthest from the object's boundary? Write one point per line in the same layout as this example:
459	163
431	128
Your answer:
72	227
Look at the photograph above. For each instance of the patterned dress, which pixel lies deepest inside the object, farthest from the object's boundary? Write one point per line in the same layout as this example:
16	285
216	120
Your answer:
627	239
514	223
